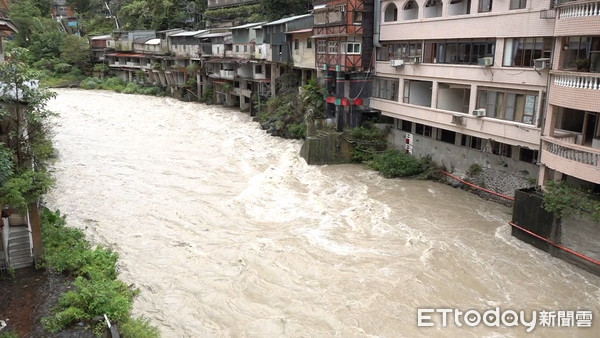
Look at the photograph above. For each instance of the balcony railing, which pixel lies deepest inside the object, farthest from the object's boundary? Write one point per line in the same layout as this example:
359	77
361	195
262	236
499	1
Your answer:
579	9
574	152
578	80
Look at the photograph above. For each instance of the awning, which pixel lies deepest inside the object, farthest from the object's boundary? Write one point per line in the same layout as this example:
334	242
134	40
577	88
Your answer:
308	30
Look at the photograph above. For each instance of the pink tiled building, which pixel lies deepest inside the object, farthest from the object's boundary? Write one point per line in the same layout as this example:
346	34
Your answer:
470	82
571	134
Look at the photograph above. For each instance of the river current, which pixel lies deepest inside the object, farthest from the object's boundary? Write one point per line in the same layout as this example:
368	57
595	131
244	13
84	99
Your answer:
229	233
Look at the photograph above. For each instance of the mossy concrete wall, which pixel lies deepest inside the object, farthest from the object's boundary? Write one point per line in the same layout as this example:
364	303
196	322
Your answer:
577	233
326	147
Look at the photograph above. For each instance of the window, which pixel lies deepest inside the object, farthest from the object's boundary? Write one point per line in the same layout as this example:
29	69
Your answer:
423	130
417	92
358	17
391	13
447	136
528	155
321	46
582	53
518	4
258	69
410	51
404	125
511	106
245	48
471	142
502	149
332	47
296	44
520	52
386	88
462	51
485	6
433	9
410	10
308	43
237	49
453	97
351	47
459	7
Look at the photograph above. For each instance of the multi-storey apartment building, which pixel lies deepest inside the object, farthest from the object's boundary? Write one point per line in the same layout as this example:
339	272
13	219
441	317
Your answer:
571	134
465	82
343	34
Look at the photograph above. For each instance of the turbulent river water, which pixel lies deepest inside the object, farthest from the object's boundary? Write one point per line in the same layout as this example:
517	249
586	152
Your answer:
229	233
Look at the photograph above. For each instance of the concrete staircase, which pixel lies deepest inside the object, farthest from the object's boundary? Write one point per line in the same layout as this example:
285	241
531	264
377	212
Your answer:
19	252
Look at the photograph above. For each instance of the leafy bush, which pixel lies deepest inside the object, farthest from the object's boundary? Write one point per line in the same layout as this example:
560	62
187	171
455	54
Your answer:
25	187
208	96
298	130
368	141
90	83
97	292
394	163
62	68
138	327
564	199
131	88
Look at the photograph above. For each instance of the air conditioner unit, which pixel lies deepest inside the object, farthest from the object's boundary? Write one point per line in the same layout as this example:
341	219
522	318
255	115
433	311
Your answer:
479	112
543	63
486	61
396	63
458	120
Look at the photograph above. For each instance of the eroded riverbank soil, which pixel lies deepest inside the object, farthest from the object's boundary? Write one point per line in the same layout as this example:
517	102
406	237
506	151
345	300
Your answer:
29	297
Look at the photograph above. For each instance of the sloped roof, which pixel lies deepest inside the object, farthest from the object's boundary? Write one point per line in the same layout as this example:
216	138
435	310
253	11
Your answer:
285	20
249	25
101	37
190	33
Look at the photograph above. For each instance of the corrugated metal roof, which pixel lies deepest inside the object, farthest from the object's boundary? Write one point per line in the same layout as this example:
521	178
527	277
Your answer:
284	20
190	33
101	37
152	42
248	25
216	35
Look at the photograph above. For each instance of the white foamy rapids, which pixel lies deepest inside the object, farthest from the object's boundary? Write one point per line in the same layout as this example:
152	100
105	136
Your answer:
229	233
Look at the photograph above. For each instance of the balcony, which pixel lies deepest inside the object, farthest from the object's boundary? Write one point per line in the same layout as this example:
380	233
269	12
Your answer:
575	90
227	74
572	159
577	17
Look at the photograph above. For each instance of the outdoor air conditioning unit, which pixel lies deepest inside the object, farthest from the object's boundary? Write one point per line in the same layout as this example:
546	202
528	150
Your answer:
458	120
479	112
396	63
543	63
486	61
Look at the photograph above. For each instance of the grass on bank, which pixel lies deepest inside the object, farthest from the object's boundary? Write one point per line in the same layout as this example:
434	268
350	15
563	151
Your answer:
120	86
97	291
371	149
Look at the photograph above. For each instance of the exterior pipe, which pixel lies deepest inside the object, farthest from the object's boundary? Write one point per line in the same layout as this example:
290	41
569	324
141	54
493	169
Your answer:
376	23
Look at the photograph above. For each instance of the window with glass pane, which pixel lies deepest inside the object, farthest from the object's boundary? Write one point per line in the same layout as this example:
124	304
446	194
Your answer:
332	47
522	52
485	6
518	4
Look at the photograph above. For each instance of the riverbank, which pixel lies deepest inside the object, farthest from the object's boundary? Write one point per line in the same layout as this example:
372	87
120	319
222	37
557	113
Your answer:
30	296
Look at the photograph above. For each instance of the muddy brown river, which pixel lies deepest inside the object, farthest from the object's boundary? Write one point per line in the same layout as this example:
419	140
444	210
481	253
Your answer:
229	233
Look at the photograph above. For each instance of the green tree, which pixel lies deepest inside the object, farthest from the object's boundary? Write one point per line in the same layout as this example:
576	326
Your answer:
32	17
76	51
24	112
277	9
